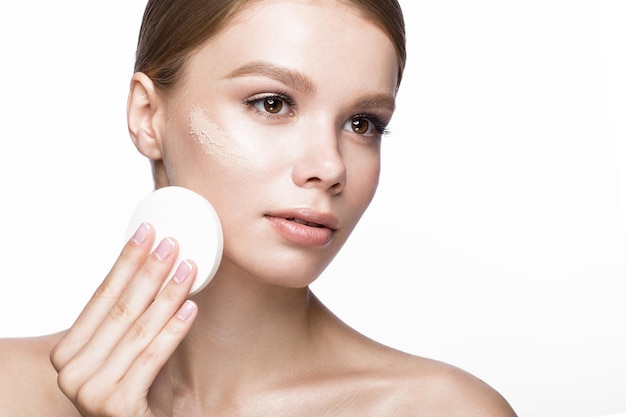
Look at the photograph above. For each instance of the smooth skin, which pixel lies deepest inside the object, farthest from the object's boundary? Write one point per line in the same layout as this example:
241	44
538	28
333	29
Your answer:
299	103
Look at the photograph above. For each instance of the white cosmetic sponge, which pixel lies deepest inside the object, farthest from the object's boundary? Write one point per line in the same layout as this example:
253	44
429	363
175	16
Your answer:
189	218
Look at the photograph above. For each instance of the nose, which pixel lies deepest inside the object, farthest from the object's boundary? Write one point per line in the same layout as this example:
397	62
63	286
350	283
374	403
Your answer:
320	163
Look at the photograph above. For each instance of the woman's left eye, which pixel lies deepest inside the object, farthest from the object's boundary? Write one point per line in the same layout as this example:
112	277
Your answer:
365	126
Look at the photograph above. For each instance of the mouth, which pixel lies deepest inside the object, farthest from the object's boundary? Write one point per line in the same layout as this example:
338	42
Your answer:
309	217
304	222
304	226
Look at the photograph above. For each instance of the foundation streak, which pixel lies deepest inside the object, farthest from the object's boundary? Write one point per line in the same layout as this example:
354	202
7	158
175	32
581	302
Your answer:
213	140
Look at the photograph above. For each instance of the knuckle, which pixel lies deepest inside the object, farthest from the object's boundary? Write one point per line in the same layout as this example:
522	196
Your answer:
89	398
154	274
155	268
57	357
138	331
62	352
149	357
129	253
150	269
84	396
120	312
176	329
171	293
69	382
105	291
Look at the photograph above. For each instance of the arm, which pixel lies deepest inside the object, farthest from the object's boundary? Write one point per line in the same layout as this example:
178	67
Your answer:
28	380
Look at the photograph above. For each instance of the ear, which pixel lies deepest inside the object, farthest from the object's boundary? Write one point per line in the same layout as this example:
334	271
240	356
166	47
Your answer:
144	113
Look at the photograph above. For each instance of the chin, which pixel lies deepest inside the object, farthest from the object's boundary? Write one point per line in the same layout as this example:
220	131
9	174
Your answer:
289	271
293	275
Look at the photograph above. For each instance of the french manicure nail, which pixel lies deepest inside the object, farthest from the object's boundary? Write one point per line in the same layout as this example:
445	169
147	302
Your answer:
165	248
141	234
186	310
182	272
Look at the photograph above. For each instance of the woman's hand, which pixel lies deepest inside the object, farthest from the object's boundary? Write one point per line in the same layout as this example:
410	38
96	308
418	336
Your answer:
111	362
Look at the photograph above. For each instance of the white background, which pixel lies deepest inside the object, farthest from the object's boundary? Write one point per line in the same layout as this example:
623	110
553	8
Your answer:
497	241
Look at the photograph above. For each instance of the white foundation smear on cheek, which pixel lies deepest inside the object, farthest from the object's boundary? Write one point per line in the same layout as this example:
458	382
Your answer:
213	140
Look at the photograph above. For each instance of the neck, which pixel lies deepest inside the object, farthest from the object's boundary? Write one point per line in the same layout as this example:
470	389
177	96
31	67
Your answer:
245	329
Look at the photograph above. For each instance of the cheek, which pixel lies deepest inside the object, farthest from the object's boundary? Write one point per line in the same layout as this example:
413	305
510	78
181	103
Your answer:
216	144
198	151
362	181
227	162
364	172
368	187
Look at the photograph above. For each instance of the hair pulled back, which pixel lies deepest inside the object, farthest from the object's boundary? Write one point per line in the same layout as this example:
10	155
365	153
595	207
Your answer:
172	29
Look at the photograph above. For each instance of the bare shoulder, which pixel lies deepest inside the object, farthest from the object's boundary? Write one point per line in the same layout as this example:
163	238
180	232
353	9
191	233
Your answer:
387	381
28	380
435	388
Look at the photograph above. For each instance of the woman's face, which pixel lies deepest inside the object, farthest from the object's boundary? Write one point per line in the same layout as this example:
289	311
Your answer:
278	121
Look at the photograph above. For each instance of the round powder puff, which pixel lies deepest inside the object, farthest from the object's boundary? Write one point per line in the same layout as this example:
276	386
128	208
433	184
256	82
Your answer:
189	218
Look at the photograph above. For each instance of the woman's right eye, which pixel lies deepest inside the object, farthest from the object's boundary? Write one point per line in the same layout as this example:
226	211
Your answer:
271	105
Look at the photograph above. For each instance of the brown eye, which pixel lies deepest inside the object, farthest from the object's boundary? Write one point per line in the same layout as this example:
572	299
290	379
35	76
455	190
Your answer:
360	126
272	105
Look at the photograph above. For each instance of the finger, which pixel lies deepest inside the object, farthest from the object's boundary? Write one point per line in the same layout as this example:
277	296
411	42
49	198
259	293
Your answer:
130	394
147	327
131	258
132	303
146	368
76	375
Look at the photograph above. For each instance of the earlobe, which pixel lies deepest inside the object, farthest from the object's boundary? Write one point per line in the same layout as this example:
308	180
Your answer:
144	104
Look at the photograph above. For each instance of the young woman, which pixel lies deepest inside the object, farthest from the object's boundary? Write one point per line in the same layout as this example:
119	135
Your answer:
279	126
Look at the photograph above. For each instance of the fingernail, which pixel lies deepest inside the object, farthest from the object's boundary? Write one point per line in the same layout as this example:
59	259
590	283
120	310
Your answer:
164	249
182	272
141	234
186	310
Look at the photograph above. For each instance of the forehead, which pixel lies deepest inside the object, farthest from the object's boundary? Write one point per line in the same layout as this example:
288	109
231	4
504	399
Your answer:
325	39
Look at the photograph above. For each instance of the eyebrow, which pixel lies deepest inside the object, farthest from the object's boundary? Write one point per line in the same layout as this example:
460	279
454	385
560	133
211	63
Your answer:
300	82
290	78
386	101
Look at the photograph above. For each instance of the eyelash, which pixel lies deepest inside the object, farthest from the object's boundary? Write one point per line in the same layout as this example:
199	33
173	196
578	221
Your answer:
380	127
252	101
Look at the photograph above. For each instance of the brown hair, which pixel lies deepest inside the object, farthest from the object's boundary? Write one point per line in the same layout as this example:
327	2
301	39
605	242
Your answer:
172	29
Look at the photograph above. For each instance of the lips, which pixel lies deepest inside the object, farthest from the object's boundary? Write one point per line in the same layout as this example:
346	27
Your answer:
304	226
304	222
